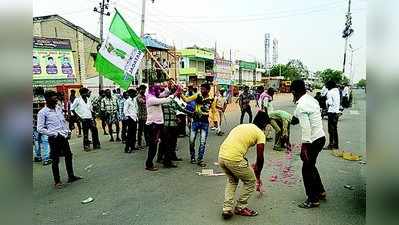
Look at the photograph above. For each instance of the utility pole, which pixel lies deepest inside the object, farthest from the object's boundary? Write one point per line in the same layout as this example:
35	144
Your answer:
348	31
351	63
140	73
103	10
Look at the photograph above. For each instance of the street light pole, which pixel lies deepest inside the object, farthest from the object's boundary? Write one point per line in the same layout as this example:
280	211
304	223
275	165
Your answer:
140	73
351	63
348	31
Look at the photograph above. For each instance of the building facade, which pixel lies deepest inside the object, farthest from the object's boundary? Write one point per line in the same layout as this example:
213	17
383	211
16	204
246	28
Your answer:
196	66
83	44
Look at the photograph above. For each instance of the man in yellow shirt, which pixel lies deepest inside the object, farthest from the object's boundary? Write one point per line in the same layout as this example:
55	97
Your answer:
233	162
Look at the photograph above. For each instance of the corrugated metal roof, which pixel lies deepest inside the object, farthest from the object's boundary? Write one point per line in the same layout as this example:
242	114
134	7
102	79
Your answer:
153	43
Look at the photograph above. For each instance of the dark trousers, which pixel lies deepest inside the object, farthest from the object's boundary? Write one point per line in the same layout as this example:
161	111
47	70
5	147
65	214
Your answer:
181	125
167	148
59	147
333	129
73	119
89	124
143	129
155	133
311	178
131	135
246	110
124	130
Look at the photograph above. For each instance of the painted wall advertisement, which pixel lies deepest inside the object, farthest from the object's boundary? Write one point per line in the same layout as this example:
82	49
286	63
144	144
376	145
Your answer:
52	61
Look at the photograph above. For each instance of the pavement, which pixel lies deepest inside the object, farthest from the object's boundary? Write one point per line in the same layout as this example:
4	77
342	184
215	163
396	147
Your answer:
126	194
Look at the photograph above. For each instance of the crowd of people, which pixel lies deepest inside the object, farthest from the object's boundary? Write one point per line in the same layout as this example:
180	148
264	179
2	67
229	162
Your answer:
155	116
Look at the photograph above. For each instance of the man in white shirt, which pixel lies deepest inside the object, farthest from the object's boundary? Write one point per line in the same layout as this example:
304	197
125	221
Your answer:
83	108
313	140
130	109
333	103
346	97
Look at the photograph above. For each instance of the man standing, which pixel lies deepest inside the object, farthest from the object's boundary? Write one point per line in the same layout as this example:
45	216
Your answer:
233	162
333	103
83	108
109	107
280	121
142	116
155	122
244	101
130	110
167	150
40	140
203	104
221	105
51	122
313	140
72	117
121	115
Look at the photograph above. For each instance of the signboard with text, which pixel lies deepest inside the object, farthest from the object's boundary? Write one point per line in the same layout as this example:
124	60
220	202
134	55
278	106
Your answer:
52	60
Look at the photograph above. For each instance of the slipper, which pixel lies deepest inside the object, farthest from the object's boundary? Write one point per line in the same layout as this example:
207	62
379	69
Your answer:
309	205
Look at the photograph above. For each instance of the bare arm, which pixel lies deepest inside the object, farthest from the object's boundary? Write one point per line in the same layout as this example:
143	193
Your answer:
259	160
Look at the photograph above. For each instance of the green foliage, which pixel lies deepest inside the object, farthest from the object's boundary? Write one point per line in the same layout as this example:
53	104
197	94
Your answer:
362	83
334	75
293	70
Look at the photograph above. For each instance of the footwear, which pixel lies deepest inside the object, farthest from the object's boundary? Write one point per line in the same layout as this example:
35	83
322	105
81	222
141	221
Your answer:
308	204
245	212
47	162
328	147
152	168
73	179
118	139
323	196
37	159
58	185
170	165
201	163
193	161
227	214
177	159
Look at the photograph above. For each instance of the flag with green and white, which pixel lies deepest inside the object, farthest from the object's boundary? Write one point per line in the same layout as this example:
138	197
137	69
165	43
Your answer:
120	54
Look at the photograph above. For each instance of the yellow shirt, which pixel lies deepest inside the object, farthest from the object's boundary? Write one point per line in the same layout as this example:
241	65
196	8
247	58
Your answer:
239	140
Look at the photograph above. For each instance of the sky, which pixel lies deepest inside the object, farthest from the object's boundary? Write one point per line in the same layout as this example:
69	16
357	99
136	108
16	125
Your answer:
309	30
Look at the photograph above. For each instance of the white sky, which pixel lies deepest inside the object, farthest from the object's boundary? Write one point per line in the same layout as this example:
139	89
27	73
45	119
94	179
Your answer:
309	30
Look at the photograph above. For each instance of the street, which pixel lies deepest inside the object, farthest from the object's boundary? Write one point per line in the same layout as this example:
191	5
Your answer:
126	194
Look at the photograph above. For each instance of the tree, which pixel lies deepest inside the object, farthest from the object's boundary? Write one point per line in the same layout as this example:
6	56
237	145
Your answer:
289	72
300	69
335	75
362	83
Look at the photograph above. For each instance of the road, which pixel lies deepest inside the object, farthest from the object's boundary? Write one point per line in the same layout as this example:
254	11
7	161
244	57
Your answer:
125	194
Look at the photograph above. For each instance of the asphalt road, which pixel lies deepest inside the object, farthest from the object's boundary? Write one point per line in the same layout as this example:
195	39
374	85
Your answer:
125	194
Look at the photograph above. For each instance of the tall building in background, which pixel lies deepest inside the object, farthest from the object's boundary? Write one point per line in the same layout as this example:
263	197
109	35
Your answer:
275	51
267	50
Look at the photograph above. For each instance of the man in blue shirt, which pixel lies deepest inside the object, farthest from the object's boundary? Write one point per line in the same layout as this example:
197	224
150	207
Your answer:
51	122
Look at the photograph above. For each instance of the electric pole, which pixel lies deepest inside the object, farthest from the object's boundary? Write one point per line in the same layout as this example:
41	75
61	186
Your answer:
103	10
348	31
140	73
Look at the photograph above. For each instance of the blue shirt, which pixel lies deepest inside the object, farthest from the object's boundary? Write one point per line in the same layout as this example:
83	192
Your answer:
51	122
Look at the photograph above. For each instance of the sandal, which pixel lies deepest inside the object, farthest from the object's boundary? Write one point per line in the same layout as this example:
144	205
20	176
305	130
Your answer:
308	205
58	185
227	214
245	212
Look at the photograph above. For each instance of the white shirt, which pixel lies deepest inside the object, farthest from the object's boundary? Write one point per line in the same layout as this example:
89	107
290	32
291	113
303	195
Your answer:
82	108
308	113
182	104
130	108
324	91
333	100
345	92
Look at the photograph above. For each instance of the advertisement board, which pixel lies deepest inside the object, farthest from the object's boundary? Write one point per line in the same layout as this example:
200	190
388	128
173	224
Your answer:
52	60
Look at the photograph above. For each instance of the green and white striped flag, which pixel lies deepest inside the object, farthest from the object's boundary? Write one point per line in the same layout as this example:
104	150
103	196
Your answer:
120	54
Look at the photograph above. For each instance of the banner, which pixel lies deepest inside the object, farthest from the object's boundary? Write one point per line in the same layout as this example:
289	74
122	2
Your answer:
120	54
52	60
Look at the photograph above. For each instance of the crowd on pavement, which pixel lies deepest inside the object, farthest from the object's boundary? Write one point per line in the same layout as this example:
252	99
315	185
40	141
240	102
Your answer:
153	117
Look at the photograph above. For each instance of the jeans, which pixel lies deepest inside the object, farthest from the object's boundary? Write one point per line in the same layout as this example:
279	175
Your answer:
333	129
311	178
143	129
202	127
155	134
59	146
131	135
89	124
41	143
246	110
236	171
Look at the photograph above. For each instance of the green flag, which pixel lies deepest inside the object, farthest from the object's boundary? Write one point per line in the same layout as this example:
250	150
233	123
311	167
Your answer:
120	54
